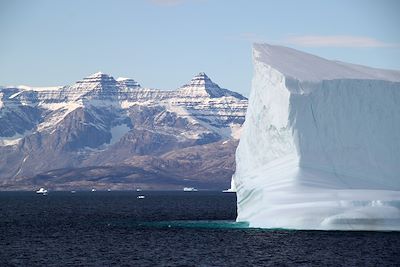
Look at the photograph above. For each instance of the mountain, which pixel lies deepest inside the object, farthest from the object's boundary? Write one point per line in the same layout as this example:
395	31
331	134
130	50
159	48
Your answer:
320	146
113	133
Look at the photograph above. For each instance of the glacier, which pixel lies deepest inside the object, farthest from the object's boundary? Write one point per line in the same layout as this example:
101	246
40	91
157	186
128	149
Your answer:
320	146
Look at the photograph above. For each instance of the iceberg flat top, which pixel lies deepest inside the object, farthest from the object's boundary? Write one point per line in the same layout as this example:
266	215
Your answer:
307	67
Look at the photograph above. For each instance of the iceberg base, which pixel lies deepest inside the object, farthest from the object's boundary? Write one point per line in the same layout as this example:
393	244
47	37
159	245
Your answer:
301	198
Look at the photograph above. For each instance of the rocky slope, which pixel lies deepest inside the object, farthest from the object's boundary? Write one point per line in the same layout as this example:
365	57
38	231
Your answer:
105	132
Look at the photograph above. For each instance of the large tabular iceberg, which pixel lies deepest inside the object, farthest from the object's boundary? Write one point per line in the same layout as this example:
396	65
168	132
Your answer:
320	148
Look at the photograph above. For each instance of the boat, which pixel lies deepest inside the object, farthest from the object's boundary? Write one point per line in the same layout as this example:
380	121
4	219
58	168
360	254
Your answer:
73	191
42	191
93	190
140	197
189	189
108	190
138	190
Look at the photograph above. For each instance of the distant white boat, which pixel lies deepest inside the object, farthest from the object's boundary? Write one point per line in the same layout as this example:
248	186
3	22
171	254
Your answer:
140	197
42	191
108	190
138	190
93	190
189	189
73	191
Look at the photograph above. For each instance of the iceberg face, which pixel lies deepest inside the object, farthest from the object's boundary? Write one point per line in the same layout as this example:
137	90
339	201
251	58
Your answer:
320	147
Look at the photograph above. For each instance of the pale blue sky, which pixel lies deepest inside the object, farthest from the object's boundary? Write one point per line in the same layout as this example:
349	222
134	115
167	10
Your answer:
163	43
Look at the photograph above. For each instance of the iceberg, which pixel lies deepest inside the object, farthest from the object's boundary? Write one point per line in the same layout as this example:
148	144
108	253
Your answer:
320	146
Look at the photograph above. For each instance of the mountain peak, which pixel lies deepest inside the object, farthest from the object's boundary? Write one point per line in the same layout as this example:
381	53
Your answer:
97	74
202	80
128	82
98	78
201	85
202	75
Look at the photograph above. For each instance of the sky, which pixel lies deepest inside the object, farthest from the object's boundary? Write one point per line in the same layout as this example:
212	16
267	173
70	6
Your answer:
164	43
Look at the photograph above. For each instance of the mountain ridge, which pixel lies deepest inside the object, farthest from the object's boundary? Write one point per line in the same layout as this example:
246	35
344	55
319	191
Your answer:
81	125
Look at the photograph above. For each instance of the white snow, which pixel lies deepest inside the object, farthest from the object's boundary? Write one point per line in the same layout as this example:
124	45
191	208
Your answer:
117	132
20	167
320	147
36	88
60	111
236	130
14	95
96	75
233	131
181	111
13	140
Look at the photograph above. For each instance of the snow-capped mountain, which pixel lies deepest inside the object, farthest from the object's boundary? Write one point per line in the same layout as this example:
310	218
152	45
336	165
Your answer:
107	125
320	147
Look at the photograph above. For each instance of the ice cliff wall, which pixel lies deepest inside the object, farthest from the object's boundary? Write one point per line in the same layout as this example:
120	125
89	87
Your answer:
320	148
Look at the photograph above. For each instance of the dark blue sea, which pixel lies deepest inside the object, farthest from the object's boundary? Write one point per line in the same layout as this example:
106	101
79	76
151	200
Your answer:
167	229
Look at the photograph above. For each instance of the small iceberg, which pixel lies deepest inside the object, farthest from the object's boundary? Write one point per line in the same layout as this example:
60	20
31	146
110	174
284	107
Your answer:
232	189
228	191
190	189
42	191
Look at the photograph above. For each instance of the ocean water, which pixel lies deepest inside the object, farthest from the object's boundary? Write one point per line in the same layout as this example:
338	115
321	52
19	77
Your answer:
167	229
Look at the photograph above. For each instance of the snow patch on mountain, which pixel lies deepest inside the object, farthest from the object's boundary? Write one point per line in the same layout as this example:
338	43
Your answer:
117	132
59	112
236	131
12	140
36	88
14	95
